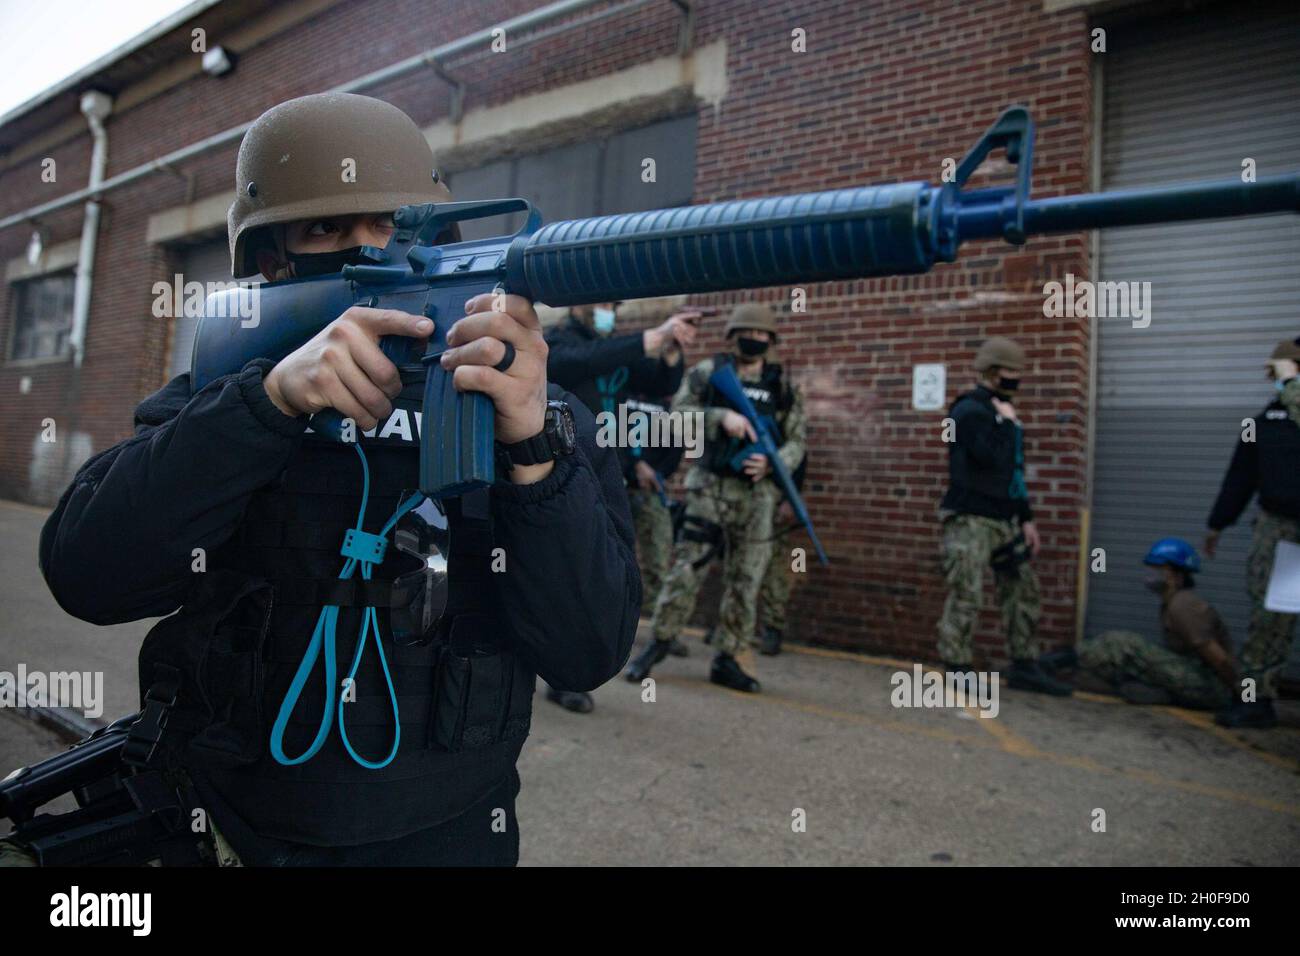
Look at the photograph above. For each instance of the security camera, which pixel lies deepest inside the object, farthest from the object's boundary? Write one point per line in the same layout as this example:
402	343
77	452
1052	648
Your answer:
217	61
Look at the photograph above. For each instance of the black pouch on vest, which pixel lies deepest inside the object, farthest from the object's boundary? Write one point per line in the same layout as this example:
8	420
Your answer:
483	695
217	642
1008	558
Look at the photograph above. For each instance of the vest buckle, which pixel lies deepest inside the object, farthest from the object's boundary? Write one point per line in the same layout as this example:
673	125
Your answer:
145	734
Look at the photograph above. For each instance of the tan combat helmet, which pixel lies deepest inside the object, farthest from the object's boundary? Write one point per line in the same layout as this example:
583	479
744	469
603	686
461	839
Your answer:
1286	349
294	164
751	315
1002	352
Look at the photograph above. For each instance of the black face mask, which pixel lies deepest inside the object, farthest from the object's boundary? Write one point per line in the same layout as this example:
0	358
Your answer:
1008	384
306	264
1154	583
751	348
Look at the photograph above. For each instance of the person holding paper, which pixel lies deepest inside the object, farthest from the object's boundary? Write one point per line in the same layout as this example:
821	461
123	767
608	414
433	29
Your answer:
1267	461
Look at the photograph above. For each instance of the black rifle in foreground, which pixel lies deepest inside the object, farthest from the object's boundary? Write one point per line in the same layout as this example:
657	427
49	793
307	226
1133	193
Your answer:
129	814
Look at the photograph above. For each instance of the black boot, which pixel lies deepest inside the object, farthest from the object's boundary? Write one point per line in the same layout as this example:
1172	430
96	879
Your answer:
654	652
727	672
1136	692
1256	714
1027	675
771	641
678	649
575	700
1062	660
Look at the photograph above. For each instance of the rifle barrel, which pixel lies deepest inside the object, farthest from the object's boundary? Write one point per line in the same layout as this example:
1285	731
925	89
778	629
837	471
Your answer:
1136	207
853	233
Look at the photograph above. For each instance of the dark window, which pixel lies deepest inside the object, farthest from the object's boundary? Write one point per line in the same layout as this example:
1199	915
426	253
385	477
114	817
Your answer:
593	178
42	317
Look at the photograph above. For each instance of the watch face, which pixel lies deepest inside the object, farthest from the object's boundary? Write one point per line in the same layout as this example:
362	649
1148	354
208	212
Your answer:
564	427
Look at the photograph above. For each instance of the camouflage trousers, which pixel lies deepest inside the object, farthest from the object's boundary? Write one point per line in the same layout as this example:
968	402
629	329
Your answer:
1268	637
968	543
654	542
12	855
774	592
744	514
1119	656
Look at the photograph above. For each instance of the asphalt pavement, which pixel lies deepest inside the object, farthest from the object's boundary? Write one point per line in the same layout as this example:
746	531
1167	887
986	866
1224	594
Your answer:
820	768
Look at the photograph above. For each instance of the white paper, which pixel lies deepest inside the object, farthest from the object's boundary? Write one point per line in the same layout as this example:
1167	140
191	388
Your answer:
1284	583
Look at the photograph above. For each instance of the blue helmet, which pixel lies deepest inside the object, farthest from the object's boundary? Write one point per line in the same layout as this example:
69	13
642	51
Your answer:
1173	551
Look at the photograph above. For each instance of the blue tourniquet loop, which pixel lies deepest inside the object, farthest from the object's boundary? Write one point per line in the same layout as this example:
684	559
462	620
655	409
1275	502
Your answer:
366	550
609	386
1018	490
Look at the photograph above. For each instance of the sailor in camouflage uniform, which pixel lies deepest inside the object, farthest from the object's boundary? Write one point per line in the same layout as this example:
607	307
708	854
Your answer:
1267	462
652	513
774	592
728	511
1192	667
987	521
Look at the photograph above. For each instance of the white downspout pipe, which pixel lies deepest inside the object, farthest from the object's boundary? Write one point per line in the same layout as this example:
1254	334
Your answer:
95	106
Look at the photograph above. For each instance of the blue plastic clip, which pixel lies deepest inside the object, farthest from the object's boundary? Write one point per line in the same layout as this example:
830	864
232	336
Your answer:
364	546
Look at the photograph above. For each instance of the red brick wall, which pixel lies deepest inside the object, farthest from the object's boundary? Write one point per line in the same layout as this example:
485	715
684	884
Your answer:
885	91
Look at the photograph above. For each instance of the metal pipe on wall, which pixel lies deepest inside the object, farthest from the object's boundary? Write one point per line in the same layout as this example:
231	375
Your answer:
95	106
423	60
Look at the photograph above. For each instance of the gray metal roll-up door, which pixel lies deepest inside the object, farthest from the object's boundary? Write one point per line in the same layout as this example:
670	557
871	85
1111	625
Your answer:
1189	99
596	177
209	262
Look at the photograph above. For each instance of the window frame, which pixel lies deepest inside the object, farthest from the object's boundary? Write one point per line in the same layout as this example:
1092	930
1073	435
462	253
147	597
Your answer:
15	299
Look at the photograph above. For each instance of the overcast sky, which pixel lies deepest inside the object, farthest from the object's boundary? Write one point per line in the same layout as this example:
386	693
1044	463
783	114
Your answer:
43	41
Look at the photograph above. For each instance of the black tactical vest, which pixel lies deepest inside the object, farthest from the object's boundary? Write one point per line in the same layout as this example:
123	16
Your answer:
1278	442
990	482
769	397
465	697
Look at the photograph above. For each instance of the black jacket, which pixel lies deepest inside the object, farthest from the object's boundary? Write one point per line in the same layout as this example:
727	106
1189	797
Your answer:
579	359
1270	465
664	459
204	471
985	461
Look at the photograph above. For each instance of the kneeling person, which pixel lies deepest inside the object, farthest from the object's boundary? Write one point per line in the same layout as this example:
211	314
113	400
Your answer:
1194	668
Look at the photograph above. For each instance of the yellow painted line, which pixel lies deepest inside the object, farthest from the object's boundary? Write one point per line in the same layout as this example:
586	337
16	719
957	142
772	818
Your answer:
1097	698
1206	723
850	656
1007	739
789	703
1008	743
1014	743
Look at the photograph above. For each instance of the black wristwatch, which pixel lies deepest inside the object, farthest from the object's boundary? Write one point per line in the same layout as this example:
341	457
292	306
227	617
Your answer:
558	437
